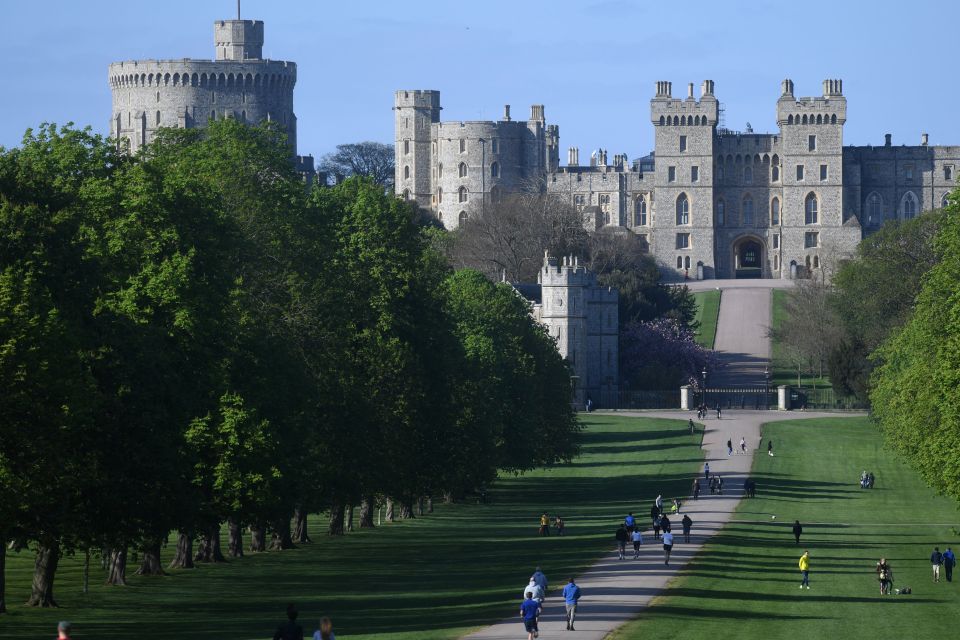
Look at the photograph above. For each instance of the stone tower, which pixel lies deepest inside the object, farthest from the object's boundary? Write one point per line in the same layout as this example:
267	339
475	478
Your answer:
683	220
239	83
812	158
563	288
414	114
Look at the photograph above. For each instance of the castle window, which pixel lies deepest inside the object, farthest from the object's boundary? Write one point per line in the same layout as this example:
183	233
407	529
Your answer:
908	172
158	118
440	195
462	194
495	144
406	173
679	261
495	170
748	174
775	212
807	262
158	97
811	239
463	145
819	120
671	174
748	211
810	213
776	263
406	194
774	173
799	172
683	143
790	119
683	209
640	218
874	208
683	241
816	261
661	121
694	174
719	172
823	172
462	218
945	200
579	201
213	115
908	205
462	170
440	170
406	146
948	172
440	216
776	241
686	262
721	213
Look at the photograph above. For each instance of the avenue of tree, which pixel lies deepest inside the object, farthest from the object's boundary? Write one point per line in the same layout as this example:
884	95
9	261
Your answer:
190	339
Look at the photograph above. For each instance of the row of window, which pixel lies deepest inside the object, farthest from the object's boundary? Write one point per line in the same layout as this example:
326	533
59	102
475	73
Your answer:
462	142
462	170
811	119
461	218
462	195
696	121
810	208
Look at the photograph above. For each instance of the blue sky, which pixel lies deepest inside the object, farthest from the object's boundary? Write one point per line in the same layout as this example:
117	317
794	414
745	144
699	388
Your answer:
592	63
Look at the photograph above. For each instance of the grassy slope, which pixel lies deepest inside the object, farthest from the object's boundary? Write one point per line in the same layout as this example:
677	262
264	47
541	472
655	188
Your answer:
708	310
430	578
744	584
784	372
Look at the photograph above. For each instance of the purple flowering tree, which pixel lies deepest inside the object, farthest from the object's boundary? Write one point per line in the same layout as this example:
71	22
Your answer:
662	354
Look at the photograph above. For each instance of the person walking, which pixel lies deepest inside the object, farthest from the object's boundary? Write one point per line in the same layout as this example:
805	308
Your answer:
667	546
289	630
325	632
706	472
743	445
637	539
885	576
558	523
571	595
534	588
529	612
541	579
797	530
659	503
630	522
770	448
729	447
63	630
692	427
665	523
687	524
719	485
949	562
621	537
656	526
696	489
805	570
718	411
936	559
545	525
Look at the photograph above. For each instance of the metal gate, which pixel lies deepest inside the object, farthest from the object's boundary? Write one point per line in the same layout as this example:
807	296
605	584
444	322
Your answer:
745	397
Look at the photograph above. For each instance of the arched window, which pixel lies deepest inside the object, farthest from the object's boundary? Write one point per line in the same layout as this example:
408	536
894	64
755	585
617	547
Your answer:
804	118
462	217
661	121
439	195
213	115
721	213
640	216
158	118
676	121
775	212
807	262
440	216
816	262
462	194
747	174
748	210
679	262
776	263
683	209
810	212
495	170
463	145
790	119
462	170
686	262
406	194
440	170
945	200
819	119
874	208
774	173
406	173
833	119
908	205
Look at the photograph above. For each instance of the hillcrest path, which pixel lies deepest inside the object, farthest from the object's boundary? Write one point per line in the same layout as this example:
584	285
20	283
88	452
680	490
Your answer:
616	591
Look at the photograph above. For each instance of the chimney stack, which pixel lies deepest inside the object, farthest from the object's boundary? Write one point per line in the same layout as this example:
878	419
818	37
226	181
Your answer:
690	91
924	139
786	87
573	157
506	112
706	89
888	139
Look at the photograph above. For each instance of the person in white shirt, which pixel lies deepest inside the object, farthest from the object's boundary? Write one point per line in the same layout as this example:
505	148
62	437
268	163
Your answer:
535	589
637	539
667	546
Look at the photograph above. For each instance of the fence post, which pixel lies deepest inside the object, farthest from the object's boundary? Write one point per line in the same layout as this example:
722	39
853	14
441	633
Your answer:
685	397
783	397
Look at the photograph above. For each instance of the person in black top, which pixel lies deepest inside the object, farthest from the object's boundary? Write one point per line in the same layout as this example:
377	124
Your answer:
665	523
289	630
621	536
797	530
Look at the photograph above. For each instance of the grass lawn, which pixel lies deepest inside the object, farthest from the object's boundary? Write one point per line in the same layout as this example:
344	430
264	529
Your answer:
708	310
433	577
745	583
784	371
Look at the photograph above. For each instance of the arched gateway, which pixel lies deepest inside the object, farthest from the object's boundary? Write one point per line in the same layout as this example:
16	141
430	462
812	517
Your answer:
748	257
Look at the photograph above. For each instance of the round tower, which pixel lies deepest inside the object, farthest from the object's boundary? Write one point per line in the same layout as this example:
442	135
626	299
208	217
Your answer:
185	93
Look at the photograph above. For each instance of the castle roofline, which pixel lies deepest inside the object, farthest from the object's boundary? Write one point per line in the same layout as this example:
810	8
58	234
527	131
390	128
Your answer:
231	63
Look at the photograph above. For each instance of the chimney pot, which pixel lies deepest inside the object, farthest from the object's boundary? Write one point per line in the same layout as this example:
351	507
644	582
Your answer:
888	139
924	139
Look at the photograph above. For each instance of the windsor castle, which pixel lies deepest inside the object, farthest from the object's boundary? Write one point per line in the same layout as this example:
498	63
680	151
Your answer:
708	202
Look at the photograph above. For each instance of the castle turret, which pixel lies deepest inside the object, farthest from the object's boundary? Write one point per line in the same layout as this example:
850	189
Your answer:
239	39
415	112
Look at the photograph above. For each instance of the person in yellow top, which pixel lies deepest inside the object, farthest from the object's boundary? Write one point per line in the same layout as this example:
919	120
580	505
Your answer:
545	525
805	569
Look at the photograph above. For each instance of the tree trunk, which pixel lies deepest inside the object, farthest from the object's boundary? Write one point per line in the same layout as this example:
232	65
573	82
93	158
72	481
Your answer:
336	519
366	512
258	538
300	534
234	539
406	509
350	518
44	570
209	548
282	540
150	564
117	575
389	509
184	556
3	576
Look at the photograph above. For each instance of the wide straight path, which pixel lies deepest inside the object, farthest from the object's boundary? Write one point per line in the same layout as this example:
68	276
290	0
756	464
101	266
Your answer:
615	591
742	341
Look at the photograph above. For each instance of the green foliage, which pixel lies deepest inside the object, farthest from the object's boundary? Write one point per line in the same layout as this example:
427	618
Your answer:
708	313
914	394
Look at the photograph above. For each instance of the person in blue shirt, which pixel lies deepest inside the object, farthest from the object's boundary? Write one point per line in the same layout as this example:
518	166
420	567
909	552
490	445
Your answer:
571	594
949	562
529	610
629	521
